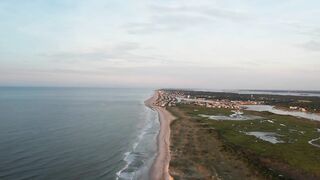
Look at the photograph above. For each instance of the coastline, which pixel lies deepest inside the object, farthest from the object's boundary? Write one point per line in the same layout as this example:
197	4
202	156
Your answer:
160	166
291	110
205	149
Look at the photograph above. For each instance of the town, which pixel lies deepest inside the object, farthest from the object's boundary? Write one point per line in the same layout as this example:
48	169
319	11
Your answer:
172	98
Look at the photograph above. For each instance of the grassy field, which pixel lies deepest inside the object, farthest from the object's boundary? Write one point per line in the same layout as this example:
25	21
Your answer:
293	158
197	153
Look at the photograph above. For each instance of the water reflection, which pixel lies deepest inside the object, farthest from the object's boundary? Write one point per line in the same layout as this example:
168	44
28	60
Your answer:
266	136
237	116
272	109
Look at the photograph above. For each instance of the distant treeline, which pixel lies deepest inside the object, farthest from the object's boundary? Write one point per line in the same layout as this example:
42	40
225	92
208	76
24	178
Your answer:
310	103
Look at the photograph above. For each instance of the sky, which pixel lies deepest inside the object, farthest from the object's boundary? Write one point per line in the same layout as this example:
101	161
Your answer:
204	44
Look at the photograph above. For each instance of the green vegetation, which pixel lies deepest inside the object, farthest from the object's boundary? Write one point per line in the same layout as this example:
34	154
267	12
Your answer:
196	152
293	158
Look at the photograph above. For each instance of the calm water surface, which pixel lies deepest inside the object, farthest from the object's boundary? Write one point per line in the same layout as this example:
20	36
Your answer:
312	116
76	133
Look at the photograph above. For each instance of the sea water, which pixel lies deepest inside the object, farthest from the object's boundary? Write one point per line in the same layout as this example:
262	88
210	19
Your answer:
76	133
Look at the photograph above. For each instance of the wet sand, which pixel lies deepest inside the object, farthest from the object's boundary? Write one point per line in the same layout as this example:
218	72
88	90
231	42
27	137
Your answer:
160	167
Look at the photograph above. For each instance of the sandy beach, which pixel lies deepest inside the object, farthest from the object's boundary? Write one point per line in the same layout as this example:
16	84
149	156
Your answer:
160	167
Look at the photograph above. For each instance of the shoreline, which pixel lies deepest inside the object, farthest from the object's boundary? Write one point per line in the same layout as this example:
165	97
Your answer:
160	166
291	110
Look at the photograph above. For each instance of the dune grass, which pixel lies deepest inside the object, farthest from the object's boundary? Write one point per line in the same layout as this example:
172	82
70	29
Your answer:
293	157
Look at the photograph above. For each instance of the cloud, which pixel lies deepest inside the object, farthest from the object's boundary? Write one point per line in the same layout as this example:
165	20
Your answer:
147	27
166	23
310	30
311	46
316	32
214	13
115	51
173	18
170	76
113	55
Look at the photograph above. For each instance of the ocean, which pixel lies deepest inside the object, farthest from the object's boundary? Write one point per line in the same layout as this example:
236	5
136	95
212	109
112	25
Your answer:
76	133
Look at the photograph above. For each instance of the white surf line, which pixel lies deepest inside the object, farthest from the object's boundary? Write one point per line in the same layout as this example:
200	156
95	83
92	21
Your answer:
312	140
139	138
